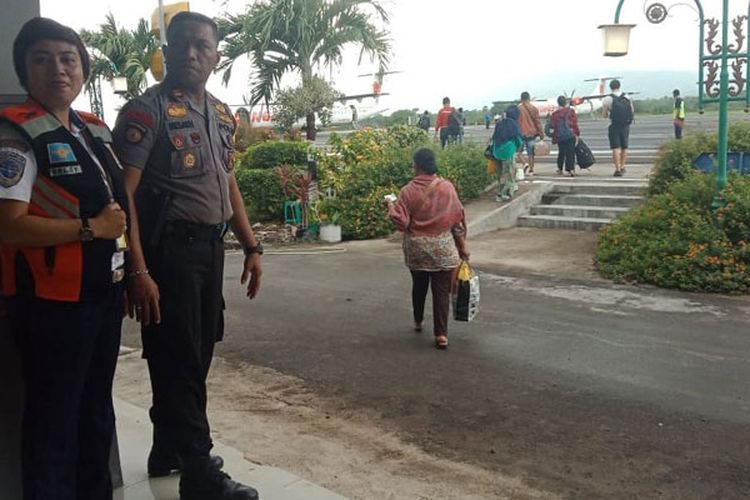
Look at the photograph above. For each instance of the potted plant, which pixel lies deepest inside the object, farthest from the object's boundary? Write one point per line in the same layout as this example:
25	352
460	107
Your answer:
296	184
313	218
328	214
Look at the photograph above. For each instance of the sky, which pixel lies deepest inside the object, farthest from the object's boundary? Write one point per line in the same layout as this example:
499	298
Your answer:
475	51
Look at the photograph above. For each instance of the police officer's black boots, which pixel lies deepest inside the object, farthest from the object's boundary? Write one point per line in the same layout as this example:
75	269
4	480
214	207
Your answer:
202	480
163	460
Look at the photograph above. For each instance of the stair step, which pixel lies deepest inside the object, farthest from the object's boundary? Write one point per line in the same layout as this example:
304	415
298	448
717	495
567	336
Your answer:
629	189
562	222
579	211
592	200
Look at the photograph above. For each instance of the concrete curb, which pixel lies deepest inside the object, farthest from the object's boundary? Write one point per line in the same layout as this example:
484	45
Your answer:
134	433
506	216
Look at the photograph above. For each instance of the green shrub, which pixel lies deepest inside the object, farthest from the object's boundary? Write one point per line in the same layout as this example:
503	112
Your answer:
675	240
367	164
466	167
676	158
247	136
261	190
271	154
364	217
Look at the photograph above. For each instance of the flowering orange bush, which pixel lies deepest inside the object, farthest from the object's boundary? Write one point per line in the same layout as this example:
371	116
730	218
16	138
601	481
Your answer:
676	240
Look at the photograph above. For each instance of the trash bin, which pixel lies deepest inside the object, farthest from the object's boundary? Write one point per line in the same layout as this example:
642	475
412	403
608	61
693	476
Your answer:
738	161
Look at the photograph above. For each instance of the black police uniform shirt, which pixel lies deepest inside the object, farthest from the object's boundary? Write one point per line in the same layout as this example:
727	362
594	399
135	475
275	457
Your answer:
184	148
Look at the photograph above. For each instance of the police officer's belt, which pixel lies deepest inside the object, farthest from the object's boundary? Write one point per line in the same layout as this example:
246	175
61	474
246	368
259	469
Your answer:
193	231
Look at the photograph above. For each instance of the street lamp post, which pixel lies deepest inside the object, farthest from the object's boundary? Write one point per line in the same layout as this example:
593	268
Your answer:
713	58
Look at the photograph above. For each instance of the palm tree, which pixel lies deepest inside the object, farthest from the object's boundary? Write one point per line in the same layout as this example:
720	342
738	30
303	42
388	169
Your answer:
286	36
119	52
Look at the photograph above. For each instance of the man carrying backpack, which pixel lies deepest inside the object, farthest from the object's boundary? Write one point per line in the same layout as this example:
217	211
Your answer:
565	133
447	123
424	121
618	108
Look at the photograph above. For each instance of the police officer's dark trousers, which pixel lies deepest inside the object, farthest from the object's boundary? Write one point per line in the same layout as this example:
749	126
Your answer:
68	352
189	274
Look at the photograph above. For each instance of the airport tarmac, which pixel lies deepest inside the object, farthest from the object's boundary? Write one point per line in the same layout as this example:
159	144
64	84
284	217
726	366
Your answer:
647	134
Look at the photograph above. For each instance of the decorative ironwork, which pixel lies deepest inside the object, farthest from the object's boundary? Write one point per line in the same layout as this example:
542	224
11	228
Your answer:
711	82
737	84
656	13
739	34
712	46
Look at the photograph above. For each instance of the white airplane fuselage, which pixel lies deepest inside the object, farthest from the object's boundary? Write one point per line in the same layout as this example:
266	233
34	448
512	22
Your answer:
263	116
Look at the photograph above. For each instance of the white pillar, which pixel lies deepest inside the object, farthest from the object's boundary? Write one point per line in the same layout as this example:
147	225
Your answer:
17	13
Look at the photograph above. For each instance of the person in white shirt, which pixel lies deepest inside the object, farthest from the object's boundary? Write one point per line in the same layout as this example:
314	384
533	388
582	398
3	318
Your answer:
618	108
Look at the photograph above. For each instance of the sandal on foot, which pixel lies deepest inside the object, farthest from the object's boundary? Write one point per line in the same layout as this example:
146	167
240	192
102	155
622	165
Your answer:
441	341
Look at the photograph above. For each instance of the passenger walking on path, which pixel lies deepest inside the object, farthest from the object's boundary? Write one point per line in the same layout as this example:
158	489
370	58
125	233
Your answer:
62	220
176	142
531	128
487	120
355	121
679	114
432	219
618	108
447	124
461	118
565	133
424	121
506	141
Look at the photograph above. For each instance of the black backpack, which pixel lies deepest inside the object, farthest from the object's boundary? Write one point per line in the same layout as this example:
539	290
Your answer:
564	131
424	122
454	123
621	112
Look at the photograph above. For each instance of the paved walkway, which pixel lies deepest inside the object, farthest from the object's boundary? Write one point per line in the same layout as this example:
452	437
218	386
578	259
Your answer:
554	253
134	437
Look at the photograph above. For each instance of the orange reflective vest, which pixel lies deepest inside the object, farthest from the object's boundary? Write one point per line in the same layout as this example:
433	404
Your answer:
68	185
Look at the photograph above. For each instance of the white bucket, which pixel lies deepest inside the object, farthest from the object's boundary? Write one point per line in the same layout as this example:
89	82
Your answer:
330	233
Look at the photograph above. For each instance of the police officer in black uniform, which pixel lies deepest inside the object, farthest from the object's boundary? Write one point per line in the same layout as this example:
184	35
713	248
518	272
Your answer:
177	144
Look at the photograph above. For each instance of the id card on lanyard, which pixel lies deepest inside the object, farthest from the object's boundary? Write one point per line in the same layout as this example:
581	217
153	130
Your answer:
121	243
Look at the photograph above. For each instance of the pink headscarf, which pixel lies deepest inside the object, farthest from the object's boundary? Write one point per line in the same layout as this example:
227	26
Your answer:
428	215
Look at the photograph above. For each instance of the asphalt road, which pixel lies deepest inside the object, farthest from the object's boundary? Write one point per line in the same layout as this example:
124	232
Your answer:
585	390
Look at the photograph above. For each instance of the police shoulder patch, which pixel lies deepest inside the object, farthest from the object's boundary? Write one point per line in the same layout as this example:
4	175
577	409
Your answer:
133	134
12	166
14	144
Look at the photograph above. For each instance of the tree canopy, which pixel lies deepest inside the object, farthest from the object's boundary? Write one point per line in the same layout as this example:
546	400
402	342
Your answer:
119	51
295	36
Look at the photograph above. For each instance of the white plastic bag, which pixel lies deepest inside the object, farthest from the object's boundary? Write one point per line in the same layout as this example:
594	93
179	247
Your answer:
520	175
466	294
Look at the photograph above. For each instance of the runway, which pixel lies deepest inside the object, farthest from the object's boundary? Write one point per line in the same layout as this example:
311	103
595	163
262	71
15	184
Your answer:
647	134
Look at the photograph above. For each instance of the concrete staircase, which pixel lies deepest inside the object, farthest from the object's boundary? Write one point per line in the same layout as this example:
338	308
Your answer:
584	205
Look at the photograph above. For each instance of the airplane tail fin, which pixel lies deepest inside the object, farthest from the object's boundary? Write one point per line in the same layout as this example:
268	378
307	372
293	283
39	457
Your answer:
601	83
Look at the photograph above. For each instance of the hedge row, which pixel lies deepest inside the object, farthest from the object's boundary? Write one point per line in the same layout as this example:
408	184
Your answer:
367	164
676	239
360	168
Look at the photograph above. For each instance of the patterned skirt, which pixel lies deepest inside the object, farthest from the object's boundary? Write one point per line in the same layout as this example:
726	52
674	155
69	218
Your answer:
430	253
